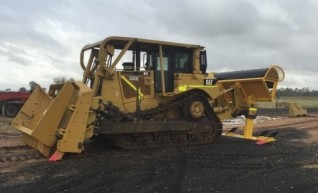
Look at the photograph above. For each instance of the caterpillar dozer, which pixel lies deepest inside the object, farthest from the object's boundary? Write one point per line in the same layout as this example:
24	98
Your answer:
139	93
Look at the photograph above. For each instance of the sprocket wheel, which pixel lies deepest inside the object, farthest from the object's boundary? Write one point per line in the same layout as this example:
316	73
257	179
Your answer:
193	110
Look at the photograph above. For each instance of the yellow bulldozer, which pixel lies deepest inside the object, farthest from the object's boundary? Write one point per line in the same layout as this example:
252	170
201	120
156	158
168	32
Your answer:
139	93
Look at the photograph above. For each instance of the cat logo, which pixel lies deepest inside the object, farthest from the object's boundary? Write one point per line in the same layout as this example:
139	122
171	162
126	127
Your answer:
209	81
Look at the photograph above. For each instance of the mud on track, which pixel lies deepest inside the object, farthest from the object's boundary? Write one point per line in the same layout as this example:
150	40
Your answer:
230	165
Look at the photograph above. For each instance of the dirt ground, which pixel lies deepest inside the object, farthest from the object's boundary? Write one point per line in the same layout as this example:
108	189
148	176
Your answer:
229	165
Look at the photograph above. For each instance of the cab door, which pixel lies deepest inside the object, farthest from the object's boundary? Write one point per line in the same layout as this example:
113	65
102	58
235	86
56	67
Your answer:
168	71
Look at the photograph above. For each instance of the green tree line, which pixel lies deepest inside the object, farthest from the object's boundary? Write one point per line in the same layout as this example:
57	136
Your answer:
288	92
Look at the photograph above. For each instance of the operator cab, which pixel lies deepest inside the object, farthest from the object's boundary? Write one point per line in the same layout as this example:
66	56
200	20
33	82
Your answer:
174	60
164	59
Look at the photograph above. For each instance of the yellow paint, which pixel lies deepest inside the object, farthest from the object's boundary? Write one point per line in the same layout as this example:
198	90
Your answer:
248	129
182	88
201	86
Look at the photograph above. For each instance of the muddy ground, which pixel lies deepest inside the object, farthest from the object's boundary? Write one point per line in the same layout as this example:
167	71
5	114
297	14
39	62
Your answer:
229	165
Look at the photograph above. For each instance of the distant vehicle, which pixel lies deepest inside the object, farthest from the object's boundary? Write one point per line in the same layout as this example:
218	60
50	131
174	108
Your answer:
11	102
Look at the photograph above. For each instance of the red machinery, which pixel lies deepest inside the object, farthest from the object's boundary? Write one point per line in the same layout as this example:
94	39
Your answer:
11	102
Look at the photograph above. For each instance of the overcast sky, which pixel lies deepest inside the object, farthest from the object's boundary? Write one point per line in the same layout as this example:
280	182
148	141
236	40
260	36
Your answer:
40	40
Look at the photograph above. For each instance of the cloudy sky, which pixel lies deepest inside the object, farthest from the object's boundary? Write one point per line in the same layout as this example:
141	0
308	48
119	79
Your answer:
40	40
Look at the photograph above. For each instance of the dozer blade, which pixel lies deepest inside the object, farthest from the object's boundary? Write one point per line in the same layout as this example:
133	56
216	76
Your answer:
57	124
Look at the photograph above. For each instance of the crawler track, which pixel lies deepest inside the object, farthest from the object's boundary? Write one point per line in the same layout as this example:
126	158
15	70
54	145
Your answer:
203	132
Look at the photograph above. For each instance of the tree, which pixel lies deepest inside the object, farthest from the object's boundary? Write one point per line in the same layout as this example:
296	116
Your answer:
285	92
61	80
32	85
22	89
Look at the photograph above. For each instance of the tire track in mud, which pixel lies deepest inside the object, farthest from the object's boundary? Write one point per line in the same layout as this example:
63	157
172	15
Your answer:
145	174
18	153
6	134
181	174
11	148
100	171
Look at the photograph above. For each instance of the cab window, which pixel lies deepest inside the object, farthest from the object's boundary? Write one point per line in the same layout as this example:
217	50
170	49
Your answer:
182	61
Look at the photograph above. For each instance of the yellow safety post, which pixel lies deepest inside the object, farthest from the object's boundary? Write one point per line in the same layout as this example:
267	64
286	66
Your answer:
249	123
263	138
